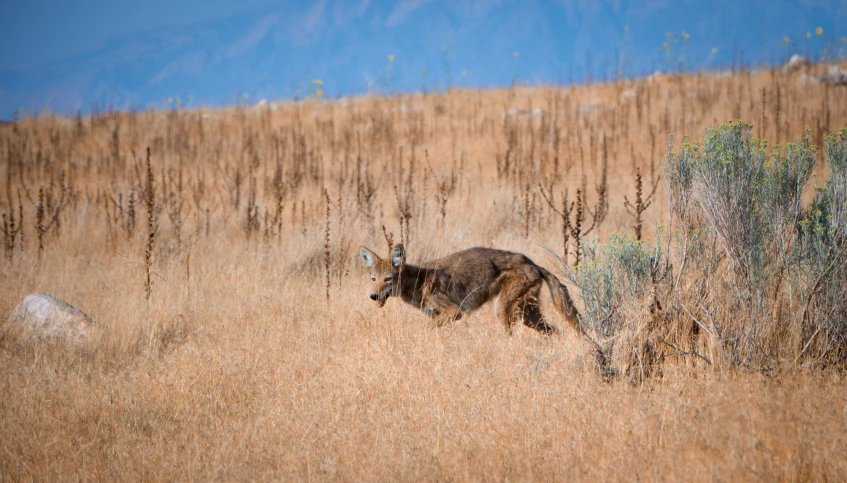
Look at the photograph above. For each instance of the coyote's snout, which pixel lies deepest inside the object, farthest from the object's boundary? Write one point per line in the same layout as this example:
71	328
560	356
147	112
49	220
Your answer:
447	288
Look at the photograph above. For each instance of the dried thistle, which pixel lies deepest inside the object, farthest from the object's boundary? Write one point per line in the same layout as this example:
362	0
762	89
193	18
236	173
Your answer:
404	205
445	187
389	238
252	224
564	215
150	203
327	260
641	204
11	227
574	228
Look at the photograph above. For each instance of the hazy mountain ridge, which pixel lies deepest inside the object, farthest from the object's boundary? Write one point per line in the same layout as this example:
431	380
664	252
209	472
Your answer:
274	52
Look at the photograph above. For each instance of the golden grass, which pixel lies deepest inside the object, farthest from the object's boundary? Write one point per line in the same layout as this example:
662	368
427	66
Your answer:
238	368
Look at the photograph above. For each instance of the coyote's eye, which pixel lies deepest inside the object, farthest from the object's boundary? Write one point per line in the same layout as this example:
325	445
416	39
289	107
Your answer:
388	279
373	279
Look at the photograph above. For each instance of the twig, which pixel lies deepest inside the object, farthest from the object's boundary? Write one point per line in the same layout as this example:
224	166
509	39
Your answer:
685	353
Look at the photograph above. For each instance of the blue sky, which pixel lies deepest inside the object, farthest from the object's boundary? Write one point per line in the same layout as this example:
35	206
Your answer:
68	56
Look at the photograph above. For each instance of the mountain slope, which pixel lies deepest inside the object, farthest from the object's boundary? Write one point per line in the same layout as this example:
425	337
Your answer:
273	51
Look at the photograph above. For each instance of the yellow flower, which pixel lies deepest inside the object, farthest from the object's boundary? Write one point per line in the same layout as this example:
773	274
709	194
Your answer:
391	58
665	46
808	35
819	31
786	39
423	71
319	93
685	35
318	82
714	50
843	40
516	54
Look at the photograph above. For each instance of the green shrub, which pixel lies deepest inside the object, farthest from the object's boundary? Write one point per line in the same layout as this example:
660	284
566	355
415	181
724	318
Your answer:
759	280
820	266
750	199
612	278
781	280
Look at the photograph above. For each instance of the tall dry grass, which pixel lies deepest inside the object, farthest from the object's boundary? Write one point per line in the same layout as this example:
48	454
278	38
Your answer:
258	355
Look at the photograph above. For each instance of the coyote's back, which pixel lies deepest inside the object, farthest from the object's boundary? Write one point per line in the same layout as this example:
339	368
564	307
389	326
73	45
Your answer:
447	288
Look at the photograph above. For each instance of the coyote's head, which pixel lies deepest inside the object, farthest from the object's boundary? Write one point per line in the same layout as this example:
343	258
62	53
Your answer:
385	274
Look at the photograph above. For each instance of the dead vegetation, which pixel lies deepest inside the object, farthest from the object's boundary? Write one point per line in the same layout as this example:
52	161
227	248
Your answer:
239	341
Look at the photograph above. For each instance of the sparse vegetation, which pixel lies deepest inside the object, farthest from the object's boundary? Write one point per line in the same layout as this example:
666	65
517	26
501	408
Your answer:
721	323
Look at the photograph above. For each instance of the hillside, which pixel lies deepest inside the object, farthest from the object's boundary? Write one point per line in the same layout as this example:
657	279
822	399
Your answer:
239	341
107	55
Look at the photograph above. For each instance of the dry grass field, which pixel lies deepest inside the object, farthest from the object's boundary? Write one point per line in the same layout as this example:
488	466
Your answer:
239	342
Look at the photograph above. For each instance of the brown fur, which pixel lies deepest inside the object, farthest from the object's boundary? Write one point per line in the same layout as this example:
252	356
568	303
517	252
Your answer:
447	288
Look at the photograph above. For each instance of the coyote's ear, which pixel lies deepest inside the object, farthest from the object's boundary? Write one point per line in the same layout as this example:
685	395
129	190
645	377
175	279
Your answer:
398	256
368	256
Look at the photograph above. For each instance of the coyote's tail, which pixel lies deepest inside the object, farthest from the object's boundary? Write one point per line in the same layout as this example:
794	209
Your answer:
564	303
562	300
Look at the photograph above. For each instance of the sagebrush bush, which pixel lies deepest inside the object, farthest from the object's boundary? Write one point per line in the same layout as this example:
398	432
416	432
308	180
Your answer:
750	201
819	262
619	284
759	279
611	278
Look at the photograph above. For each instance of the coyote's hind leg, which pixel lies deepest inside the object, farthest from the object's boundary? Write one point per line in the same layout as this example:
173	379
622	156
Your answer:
532	316
519	301
513	293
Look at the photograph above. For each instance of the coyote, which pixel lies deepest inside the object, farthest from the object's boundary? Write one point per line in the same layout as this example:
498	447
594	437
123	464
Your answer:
447	288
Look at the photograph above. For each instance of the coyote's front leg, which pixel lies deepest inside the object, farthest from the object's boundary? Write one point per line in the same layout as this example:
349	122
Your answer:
441	309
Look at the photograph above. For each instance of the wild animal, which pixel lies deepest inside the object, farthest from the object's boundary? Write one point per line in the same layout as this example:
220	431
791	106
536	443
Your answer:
447	288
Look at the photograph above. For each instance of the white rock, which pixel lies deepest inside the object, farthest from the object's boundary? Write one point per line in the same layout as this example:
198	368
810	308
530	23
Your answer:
807	79
657	77
796	62
836	76
404	108
535	113
46	316
586	109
